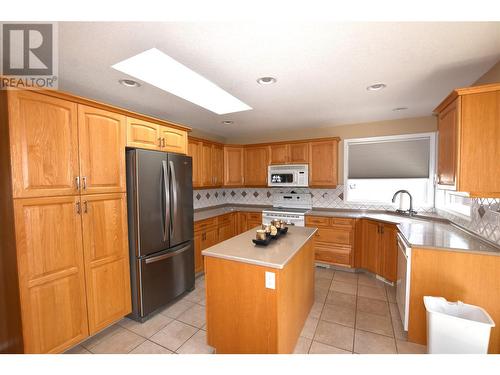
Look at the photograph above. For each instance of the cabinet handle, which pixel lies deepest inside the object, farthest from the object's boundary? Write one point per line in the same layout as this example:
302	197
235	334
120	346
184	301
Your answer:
77	181
78	208
163	142
85	207
84	182
159	142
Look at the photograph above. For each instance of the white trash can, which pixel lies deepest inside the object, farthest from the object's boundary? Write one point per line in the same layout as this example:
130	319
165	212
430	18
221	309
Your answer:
456	327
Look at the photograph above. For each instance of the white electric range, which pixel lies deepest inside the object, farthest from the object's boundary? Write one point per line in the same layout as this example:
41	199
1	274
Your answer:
289	207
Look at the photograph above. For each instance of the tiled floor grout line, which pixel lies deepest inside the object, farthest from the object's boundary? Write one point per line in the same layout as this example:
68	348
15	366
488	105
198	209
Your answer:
176	350
322	308
355	316
392	322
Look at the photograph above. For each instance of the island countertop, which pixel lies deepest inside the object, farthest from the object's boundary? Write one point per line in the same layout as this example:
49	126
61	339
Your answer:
275	255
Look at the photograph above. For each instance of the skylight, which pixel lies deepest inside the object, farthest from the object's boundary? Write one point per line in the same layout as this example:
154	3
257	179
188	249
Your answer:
160	70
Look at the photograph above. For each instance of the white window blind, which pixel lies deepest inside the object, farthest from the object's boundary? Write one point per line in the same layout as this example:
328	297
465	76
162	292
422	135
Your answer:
396	158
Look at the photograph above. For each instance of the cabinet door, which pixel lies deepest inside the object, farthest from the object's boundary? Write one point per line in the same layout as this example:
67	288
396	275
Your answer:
51	273
447	144
217	164
43	144
143	134
278	154
389	253
107	271
173	140
241	225
323	163
198	260
256	162
194	150
371	246
102	137
206	171
298	153
233	166
480	144
226	225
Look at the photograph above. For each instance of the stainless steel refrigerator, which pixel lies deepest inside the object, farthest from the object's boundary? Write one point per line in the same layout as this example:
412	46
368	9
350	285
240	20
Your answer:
160	218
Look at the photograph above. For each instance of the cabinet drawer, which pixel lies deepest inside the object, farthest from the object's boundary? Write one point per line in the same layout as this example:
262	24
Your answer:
339	236
333	254
204	224
224	219
342	221
254	216
318	221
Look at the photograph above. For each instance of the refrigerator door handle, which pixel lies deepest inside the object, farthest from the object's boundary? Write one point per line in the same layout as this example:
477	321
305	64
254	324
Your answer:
173	206
167	255
165	209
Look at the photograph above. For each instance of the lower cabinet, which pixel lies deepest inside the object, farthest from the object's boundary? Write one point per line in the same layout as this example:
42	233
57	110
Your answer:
334	239
211	231
73	268
105	248
379	248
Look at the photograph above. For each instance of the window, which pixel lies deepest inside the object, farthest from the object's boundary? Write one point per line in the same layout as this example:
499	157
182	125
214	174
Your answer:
454	202
375	168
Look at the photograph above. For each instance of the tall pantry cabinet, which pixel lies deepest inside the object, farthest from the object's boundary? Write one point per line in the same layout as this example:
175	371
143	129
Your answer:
69	213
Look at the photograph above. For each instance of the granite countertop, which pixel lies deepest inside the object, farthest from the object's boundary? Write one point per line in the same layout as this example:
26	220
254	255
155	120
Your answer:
275	255
423	231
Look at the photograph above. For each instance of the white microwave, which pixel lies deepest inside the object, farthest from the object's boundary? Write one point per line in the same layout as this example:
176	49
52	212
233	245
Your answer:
288	175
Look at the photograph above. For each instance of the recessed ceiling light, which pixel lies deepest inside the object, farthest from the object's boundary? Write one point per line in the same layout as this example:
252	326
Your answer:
397	109
376	87
129	83
160	70
266	80
228	122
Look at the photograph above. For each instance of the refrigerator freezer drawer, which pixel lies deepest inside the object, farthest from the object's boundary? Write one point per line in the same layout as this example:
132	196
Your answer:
164	276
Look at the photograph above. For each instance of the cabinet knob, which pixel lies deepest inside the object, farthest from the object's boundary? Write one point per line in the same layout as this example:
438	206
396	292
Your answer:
78	208
77	182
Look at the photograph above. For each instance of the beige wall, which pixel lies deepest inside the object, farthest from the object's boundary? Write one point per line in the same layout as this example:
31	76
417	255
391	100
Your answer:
369	129
491	76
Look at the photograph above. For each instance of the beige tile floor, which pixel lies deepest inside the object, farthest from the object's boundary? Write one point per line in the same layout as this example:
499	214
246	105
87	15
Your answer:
352	313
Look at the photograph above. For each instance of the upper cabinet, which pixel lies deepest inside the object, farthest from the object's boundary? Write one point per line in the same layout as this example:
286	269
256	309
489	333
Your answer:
43	144
256	162
323	163
208	162
289	153
233	165
102	144
469	141
151	136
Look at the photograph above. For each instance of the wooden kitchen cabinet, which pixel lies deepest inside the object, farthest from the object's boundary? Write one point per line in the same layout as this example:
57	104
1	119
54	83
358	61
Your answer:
218	164
334	239
379	250
253	219
106	258
143	134
194	150
206	234
172	140
278	154
206	169
233	166
323	163
51	273
298	153
152	136
469	140
226	227
256	162
43	145
241	225
102	136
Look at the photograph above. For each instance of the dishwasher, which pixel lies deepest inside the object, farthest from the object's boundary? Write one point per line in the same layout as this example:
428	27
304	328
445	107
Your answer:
403	280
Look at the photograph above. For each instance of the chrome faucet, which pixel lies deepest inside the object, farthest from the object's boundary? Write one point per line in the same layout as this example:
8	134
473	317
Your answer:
410	211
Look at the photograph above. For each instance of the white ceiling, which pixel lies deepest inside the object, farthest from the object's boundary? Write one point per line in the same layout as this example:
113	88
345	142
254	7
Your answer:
322	68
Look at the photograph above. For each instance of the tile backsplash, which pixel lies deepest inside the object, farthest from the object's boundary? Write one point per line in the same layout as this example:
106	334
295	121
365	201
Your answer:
484	217
322	198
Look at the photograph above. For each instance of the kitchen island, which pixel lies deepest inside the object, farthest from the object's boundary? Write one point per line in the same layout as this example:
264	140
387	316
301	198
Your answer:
258	298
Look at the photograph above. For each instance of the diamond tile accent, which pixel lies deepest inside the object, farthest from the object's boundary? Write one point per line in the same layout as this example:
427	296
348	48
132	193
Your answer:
207	195
233	193
481	211
244	193
268	194
255	194
341	196
216	195
198	196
